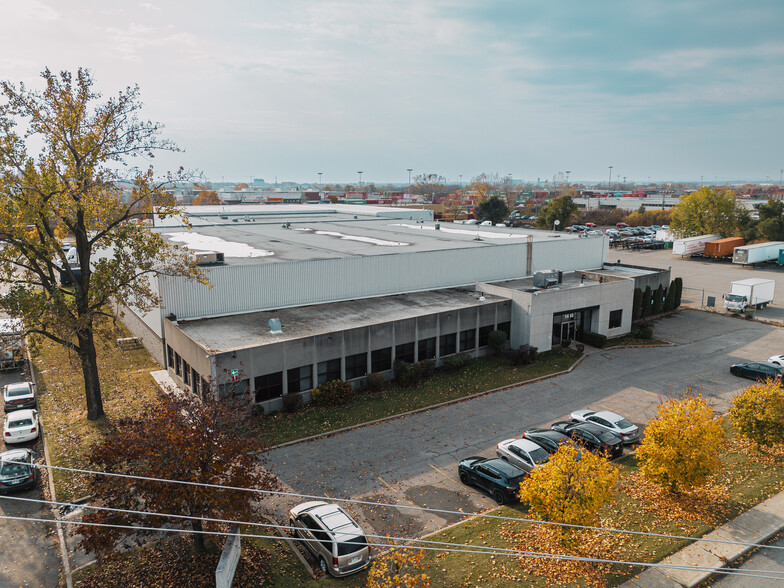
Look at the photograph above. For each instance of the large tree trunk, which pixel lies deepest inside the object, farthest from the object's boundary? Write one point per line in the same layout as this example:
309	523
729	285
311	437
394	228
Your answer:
92	385
198	536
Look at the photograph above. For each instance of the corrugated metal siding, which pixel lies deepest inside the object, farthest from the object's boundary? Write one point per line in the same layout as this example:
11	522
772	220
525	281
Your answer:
264	286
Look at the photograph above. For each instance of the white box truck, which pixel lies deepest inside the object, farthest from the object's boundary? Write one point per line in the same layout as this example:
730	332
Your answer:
758	253
692	245
750	293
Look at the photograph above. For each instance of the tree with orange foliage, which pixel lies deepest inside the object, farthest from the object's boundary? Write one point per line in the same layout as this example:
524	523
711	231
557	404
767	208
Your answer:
207	197
183	438
758	413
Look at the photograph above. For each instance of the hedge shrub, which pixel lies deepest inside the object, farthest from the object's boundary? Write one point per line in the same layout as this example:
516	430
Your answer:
594	339
334	393
496	340
523	355
456	362
375	383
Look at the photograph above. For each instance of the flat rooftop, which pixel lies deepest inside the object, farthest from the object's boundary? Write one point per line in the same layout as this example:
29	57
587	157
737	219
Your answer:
235	332
575	279
300	232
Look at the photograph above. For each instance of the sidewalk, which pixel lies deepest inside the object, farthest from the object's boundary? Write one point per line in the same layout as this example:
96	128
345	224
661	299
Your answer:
754	526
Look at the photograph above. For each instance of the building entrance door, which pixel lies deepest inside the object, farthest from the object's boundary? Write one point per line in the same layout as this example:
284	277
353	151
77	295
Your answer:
568	330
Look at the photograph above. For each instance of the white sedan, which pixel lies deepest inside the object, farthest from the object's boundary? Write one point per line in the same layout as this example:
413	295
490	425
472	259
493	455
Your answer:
777	360
523	453
611	421
20	426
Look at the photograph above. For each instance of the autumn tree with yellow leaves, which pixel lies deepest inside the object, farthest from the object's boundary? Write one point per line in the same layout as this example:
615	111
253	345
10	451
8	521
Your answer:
398	568
65	170
570	488
681	446
758	413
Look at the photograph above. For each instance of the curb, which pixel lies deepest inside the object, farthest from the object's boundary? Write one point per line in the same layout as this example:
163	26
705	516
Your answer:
428	408
53	495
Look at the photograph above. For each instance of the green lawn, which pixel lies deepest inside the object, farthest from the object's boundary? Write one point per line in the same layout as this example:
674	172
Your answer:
482	374
745	481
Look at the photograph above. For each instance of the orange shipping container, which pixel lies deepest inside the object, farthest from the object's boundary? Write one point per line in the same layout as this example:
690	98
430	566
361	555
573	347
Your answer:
723	247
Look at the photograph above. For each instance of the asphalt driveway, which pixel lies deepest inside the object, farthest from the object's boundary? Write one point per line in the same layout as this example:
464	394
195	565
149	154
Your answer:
413	460
30	553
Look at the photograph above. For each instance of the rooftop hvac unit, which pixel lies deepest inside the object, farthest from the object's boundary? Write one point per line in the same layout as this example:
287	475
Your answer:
547	278
207	257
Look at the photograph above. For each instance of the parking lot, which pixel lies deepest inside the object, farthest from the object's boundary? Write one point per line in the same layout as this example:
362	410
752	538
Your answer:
30	554
413	460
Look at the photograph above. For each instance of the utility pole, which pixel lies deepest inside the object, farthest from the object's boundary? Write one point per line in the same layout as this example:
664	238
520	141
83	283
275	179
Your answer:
409	170
319	175
360	180
609	181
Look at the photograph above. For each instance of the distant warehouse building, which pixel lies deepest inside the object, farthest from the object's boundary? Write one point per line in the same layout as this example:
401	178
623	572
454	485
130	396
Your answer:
305	294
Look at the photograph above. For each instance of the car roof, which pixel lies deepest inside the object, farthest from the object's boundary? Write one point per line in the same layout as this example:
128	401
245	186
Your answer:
337	521
504	467
18	385
20	414
549	433
525	444
15	454
590	427
611	416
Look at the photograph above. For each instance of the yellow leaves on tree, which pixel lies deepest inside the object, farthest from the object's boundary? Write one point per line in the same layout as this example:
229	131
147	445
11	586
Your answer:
705	211
207	197
681	445
758	413
398	567
570	488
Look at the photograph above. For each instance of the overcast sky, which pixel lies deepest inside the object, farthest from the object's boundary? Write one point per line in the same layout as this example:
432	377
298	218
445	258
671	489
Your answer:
668	89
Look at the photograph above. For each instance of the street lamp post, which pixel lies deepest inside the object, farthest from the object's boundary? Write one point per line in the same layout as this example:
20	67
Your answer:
409	170
319	175
460	182
360	180
609	180
781	173
567	176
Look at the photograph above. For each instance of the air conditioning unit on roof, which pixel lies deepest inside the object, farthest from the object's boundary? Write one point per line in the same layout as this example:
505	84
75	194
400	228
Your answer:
207	257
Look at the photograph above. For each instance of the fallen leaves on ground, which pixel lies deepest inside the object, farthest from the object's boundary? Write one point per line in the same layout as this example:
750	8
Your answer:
703	504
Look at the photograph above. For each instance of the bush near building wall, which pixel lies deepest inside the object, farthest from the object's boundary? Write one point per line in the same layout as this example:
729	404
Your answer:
636	304
594	339
334	393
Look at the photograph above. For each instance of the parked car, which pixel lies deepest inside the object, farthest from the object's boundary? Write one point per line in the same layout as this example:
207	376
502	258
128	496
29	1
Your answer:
629	432
621	225
495	476
590	225
20	426
18	395
523	453
593	437
758	370
487	223
473	221
548	439
332	536
17	471
776	360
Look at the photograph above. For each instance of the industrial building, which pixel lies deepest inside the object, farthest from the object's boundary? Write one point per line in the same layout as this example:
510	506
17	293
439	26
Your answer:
304	294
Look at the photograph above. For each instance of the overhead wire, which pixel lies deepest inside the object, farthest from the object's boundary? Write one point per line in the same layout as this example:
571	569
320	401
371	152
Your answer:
413	507
760	574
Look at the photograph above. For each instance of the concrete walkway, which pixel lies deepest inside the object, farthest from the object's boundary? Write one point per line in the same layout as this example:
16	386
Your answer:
754	526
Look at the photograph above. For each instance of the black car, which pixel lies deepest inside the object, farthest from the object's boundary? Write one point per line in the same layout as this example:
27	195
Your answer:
547	439
595	438
495	476
758	370
17	471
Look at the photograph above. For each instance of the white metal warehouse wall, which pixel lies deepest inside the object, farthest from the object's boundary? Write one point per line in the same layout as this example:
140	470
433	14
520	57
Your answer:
264	286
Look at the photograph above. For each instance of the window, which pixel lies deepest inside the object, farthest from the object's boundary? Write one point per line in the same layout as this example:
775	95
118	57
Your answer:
427	349
300	379
230	389
186	373
405	352
615	318
381	360
505	328
269	386
170	355
448	344
195	381
356	366
467	339
484	333
177	364
328	371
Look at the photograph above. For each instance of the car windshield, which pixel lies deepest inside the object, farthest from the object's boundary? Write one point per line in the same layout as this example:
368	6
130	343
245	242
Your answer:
734	297
21	391
352	545
539	455
623	424
20	423
549	442
14	470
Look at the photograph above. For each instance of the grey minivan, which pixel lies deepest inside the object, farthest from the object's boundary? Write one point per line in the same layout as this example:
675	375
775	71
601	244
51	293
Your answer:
337	541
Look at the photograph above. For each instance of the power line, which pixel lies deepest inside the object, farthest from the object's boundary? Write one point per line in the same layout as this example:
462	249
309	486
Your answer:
764	574
410	507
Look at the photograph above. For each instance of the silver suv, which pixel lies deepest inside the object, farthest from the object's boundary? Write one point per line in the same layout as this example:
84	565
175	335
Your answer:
337	541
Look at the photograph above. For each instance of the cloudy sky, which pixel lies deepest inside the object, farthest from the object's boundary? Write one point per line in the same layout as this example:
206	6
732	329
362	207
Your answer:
667	89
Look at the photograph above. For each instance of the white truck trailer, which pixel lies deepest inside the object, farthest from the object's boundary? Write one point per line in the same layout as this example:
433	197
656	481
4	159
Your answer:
750	293
692	245
758	253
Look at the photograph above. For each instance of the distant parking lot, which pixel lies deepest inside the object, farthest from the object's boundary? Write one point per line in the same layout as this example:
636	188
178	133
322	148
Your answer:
413	460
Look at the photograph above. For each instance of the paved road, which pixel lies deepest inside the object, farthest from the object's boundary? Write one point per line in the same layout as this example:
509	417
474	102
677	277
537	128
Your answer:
30	553
413	460
703	278
770	560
